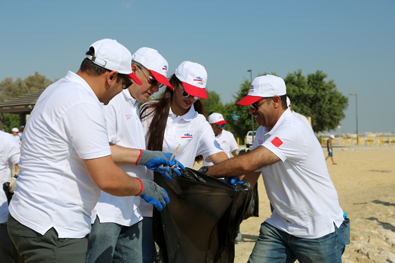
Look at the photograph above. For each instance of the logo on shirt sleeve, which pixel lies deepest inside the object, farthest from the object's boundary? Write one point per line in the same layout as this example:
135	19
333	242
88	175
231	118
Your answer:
276	142
216	144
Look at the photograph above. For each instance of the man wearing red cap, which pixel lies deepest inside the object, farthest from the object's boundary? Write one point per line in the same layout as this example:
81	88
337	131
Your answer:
307	223
117	226
63	168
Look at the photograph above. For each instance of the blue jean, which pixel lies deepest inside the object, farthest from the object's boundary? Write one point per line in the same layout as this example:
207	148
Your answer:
276	246
148	243
110	242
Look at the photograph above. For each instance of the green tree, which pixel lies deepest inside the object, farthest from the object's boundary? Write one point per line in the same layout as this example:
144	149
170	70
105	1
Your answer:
213	103
316	98
10	89
10	121
243	124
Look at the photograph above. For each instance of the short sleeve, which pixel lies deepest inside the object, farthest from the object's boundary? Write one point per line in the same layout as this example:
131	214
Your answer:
14	153
85	127
208	145
233	143
111	122
287	143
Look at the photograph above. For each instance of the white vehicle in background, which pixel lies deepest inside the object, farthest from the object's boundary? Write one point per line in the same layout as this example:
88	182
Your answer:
249	140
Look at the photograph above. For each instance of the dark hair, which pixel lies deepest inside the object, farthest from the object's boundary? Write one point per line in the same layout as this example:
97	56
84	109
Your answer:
93	69
284	101
160	109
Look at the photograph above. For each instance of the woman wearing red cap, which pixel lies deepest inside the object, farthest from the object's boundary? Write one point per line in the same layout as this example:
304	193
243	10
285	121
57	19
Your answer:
177	118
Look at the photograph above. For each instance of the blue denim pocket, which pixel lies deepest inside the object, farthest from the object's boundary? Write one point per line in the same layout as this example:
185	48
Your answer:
345	227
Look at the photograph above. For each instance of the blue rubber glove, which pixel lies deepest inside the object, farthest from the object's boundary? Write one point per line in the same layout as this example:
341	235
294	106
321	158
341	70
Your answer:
233	180
156	161
177	165
154	194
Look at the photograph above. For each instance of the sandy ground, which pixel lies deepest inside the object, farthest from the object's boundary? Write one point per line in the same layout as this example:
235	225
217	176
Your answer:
365	182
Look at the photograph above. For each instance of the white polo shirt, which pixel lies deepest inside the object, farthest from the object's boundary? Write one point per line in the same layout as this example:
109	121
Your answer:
9	155
53	188
124	129
299	187
195	136
227	142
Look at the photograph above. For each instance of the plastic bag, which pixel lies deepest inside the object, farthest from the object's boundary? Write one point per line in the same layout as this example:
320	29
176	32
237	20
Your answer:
253	208
201	221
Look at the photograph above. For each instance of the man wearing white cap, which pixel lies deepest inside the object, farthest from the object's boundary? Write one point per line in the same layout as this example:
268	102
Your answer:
9	156
15	132
307	223
330	149
116	234
63	167
225	138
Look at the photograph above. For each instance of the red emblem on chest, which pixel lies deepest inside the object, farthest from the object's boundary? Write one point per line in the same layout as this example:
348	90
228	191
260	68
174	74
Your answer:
277	142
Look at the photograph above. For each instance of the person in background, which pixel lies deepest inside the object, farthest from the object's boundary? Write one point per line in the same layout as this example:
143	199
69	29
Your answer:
177	118
116	234
21	129
15	133
9	156
330	148
66	160
307	222
224	138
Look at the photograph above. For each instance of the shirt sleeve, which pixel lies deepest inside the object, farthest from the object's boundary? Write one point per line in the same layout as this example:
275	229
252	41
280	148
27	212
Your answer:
233	143
14	153
85	126
208	145
287	143
111	122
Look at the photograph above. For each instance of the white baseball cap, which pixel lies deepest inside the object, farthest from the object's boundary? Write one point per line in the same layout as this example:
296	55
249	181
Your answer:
154	62
216	118
113	56
21	127
193	77
332	136
15	129
264	87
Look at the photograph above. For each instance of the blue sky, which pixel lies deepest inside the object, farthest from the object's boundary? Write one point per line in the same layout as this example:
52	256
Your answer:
351	41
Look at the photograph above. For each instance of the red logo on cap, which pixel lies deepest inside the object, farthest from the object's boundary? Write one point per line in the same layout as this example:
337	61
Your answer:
277	142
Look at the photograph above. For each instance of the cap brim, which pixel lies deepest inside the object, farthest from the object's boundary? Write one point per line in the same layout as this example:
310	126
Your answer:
248	100
221	122
195	91
161	79
133	77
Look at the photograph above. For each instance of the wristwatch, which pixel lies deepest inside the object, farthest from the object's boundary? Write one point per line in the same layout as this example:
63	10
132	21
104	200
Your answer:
203	169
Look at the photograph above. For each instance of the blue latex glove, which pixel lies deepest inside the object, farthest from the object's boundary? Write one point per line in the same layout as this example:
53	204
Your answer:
233	180
154	194
177	165
156	161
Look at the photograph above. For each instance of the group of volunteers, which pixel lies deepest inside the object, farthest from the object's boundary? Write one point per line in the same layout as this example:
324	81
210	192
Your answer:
85	190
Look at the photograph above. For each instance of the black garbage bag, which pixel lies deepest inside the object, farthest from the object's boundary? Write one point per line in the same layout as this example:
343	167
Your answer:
253	208
201	221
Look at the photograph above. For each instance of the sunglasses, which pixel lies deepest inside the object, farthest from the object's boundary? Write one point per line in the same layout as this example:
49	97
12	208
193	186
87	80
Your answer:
255	105
185	94
152	80
127	80
221	126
